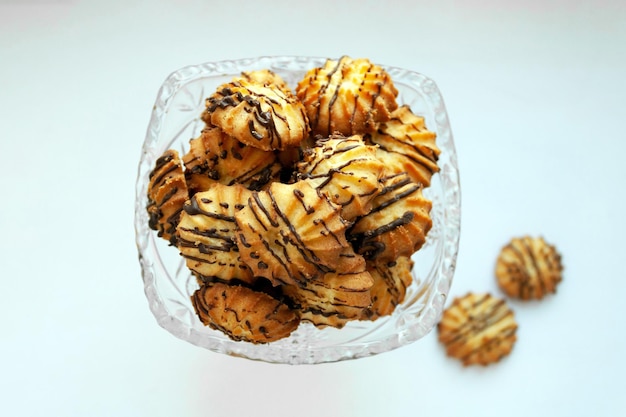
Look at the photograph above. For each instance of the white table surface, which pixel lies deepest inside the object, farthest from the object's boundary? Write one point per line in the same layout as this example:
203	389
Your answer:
535	92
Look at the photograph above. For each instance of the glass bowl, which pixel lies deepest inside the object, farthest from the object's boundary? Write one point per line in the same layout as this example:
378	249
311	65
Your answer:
168	283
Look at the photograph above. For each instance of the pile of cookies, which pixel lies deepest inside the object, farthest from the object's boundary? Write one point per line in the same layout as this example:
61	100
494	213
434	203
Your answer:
298	205
480	329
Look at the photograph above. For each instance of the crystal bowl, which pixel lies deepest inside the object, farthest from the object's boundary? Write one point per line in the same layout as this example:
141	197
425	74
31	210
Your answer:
168	283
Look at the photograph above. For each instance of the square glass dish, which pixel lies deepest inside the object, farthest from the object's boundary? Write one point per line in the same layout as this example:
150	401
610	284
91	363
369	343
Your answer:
168	283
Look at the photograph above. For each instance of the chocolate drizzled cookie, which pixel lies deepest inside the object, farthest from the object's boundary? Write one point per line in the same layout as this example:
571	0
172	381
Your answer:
215	156
259	115
244	314
477	329
266	78
167	192
349	96
346	170
332	299
529	268
292	233
404	144
390	282
206	234
397	224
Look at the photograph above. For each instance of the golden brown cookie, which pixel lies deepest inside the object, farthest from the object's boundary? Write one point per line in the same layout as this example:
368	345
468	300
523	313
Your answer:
405	144
390	282
262	116
265	77
529	268
478	329
333	299
215	156
206	234
349	96
167	192
243	313
292	233
346	170
398	223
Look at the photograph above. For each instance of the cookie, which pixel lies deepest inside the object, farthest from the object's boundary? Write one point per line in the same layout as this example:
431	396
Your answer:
206	233
332	299
265	77
529	268
260	115
346	170
167	193
478	329
398	223
348	96
215	156
390	282
292	233
404	144
244	314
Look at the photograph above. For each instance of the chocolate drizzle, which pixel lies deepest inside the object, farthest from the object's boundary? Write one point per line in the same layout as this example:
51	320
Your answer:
347	95
267	106
346	170
243	313
193	208
166	194
291	233
391	205
529	268
206	233
478	329
365	242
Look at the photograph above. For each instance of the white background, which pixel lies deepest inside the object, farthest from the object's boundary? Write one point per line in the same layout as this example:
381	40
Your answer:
535	93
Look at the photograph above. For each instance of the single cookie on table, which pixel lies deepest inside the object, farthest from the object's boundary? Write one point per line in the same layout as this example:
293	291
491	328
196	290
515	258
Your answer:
346	170
292	233
478	329
390	282
349	96
215	156
398	223
262	116
167	193
529	268
206	231
244	314
404	142
332	299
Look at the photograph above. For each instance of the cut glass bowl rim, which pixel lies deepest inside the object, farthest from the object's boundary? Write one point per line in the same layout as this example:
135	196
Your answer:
304	346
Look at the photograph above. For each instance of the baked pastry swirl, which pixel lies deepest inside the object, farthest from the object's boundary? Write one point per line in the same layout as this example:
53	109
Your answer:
292	233
529	268
244	314
206	234
478	329
390	282
397	224
332	299
349	96
167	192
346	170
259	115
215	156
405	144
265	77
